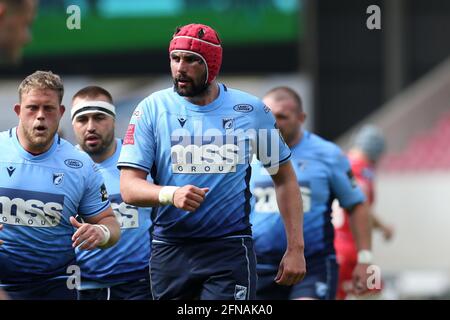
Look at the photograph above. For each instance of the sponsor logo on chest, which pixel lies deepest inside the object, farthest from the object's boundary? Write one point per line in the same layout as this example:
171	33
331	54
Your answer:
204	154
30	208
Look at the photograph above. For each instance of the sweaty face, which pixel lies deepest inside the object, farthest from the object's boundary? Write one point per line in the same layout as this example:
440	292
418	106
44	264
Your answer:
188	74
39	115
94	131
16	32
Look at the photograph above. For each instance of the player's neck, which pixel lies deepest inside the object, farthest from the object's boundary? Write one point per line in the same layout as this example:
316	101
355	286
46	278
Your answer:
208	96
98	158
295	139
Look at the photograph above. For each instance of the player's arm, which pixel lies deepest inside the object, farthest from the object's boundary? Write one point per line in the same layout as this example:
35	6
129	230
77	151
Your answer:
292	267
361	226
362	230
136	190
100	231
380	225
353	199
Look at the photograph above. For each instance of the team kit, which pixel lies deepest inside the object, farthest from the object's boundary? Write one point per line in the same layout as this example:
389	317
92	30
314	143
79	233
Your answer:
212	193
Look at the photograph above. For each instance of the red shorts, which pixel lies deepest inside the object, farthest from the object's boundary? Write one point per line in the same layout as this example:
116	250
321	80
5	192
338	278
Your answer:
347	262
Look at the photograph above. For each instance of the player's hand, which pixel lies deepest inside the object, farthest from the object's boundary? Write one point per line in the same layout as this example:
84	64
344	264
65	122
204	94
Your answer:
292	268
1	227
88	235
189	197
359	279
388	232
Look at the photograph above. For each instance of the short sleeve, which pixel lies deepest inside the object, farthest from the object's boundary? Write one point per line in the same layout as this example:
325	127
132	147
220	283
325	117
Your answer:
139	145
271	149
95	196
343	183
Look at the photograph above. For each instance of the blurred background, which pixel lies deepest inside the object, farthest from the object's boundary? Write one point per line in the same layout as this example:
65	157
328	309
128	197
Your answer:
397	78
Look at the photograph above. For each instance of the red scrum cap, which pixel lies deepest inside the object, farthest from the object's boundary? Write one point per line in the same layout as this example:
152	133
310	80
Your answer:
203	41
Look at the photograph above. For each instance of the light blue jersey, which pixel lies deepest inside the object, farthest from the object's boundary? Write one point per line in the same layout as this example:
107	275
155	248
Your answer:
323	174
129	259
38	194
180	143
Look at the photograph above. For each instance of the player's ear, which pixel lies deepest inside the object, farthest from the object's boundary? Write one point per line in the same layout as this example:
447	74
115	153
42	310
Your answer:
302	117
17	109
62	109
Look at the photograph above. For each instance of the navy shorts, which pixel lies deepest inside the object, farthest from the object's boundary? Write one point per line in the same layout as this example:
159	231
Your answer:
132	290
319	283
217	269
53	289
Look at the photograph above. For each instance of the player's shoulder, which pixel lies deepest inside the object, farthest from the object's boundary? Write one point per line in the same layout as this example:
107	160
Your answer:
326	148
154	103
239	94
72	157
244	102
163	93
361	166
5	135
357	160
157	96
6	141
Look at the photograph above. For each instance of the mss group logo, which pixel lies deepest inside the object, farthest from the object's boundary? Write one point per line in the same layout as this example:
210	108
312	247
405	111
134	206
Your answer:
30	208
214	152
204	154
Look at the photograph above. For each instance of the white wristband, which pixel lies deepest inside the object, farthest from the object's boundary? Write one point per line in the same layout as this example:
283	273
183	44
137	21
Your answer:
106	234
365	257
166	195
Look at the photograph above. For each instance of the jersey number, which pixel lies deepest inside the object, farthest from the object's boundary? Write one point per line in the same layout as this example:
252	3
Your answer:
266	200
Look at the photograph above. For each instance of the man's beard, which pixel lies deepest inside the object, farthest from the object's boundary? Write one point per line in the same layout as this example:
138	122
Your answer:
94	150
42	141
193	91
100	148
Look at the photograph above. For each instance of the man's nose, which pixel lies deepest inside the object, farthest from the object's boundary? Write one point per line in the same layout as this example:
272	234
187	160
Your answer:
91	125
41	113
182	66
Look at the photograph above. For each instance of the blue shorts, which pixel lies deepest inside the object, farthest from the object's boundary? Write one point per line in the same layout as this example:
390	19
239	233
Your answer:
52	289
217	269
132	290
319	283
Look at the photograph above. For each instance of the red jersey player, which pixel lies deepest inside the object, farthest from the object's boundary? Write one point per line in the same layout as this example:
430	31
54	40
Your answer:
368	146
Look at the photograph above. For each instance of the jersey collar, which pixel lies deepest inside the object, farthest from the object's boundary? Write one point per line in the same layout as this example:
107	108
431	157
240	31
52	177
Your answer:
207	108
25	154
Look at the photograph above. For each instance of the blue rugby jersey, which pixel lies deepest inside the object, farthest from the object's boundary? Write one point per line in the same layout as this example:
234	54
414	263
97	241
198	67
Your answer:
180	143
38	194
323	174
129	259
